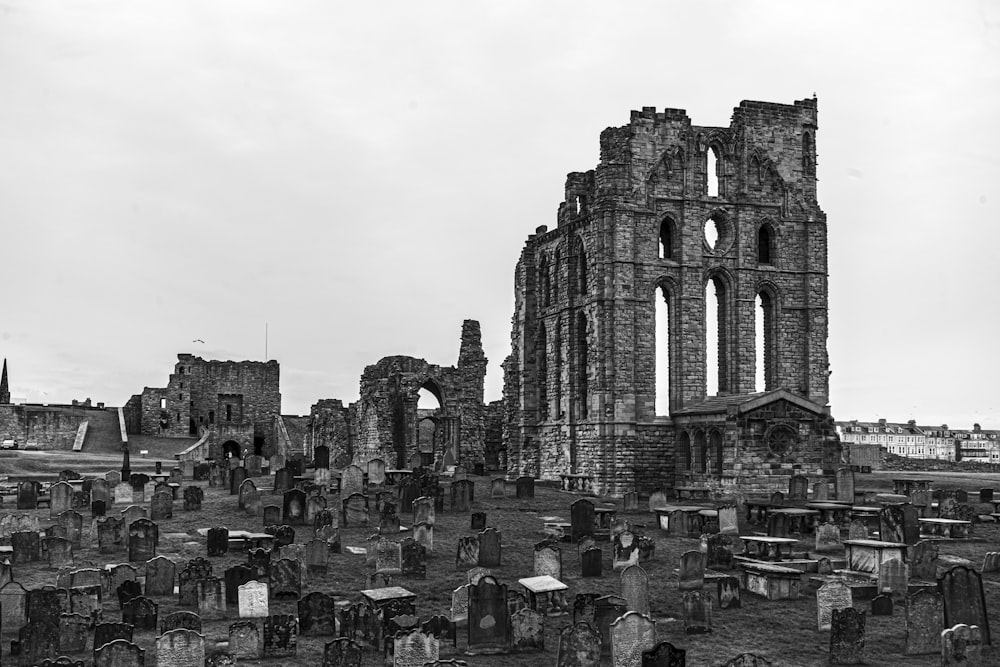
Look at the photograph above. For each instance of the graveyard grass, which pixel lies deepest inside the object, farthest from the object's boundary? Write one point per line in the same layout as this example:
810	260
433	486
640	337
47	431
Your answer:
782	631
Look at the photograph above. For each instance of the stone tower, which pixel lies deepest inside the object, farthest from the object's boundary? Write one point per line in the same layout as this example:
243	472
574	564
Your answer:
672	209
4	389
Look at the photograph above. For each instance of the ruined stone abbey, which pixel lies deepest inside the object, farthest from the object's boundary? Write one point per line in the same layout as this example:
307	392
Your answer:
671	209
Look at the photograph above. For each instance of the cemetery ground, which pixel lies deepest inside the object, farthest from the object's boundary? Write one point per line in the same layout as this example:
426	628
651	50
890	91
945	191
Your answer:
783	631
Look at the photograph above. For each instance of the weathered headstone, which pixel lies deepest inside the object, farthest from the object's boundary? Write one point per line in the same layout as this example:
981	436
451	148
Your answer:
143	537
388	558
244	640
882	605
697	612
625	550
286	578
211	597
413	557
591	563
548	560
692	571
193	496
141	613
831	595
525	488
635	589
893	576
581	519
924	621
488	616
280	636
355	510
729	592
857	530
579	646
527	631
847	637
187	620
964	601
423	533
666	654
844	481
828	538
160	575
180	647
317	615
607	609
253	600
631	635
961	645
489	548
728	520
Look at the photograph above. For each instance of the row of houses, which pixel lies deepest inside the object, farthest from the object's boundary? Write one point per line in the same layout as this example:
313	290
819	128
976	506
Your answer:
924	442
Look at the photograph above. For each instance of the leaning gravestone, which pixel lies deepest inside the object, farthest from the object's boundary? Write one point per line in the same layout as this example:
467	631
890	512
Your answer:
527	631
467	553
317	615
831	595
692	571
847	637
923	557
631	635
964	602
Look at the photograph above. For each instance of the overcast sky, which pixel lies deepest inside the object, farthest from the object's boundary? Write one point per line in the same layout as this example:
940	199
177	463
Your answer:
362	177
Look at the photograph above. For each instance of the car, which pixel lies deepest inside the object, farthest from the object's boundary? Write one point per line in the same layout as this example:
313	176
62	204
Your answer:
8	444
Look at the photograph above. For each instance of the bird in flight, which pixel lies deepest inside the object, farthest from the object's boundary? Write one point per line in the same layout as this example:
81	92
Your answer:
198	340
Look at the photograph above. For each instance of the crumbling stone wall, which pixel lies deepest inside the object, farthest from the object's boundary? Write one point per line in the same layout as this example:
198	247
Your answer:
329	425
217	395
580	383
387	418
41	426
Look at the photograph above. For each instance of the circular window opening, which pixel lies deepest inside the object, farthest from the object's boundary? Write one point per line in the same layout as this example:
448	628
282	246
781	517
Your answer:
712	232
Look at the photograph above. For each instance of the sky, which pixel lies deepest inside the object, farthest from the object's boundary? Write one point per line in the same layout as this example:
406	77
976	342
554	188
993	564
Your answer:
356	179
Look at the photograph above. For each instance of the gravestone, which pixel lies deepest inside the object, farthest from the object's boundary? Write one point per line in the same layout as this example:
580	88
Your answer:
283	535
548	560
607	609
630	501
697	612
376	472
821	491
187	581
591	564
235	577
143	536
73	523
666	654
342	652
635	589
467	553
160	574
211	597
283	481
924	621
272	515
423	510
352	480
415	649
60	498
244	640
161	507
525	488
128	590
498	488
98	508
631	635
718	551
625	550
857	530
388	558
489	548
831	595
461	495
293	509
355	510
828	538
798	487
60	551
13	607
317	615
423	533
280	636
847	637
527	631
964	602
193	496
317	557
180	647
38	640
478	520
314	505
844	482
581	519
252	600
388	521
728	520
123	494
236	477
286	578
217	541
579	646
27	547
74	630
141	613
488	616
247	487
460	604
109	632
729	592
961	645
187	620
119	653
692	571
413	559
991	562
893	576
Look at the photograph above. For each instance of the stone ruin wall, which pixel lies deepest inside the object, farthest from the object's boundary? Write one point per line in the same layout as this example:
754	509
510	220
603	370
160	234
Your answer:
653	175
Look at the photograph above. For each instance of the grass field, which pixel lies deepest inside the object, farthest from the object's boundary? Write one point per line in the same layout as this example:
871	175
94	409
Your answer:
783	631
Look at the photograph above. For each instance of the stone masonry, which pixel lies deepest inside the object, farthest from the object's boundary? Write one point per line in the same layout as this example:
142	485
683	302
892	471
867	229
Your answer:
580	383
